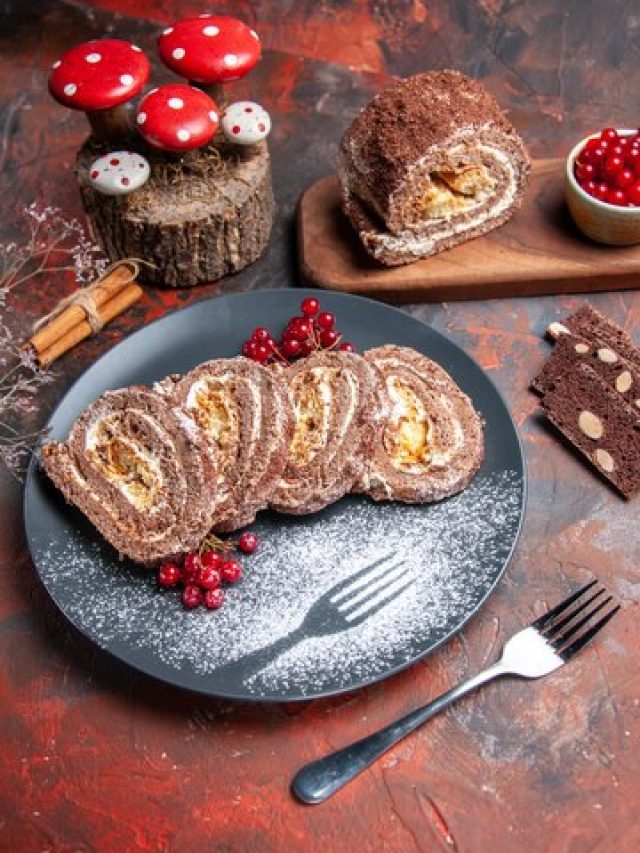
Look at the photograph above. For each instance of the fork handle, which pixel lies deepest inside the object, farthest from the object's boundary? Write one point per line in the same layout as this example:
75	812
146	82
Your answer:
320	779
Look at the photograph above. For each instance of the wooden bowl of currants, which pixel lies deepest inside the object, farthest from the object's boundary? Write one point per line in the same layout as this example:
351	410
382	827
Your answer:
603	186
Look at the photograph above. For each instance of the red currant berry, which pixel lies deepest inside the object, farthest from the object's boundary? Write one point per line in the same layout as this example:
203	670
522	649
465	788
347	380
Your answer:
262	353
213	598
329	337
589	187
169	575
616	150
585	172
248	542
209	578
633	193
291	348
612	166
260	335
306	348
347	346
303	330
211	560
632	158
231	571
592	143
309	306
249	349
191	567
609	133
326	320
191	596
624	178
601	191
617	197
593	155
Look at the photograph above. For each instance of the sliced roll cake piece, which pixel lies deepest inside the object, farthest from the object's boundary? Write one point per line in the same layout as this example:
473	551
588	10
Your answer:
432	443
140	471
337	408
245	412
431	162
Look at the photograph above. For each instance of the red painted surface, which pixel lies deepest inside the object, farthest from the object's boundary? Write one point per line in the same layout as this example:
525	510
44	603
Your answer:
94	758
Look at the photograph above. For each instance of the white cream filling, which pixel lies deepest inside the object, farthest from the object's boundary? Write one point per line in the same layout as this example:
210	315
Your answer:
324	387
127	489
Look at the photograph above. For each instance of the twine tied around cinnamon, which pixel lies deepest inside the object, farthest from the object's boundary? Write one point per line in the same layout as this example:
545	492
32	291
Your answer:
83	297
87	310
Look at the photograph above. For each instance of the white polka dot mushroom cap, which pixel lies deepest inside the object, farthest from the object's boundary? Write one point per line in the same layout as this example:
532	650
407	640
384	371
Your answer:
119	173
99	74
177	118
246	123
209	48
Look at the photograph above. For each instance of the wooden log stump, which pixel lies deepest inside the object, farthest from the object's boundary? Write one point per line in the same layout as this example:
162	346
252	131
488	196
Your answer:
197	219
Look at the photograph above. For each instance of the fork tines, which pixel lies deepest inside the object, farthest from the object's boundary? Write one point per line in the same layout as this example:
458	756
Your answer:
560	628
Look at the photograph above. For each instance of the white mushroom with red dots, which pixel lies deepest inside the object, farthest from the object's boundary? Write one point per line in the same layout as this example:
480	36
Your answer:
246	123
119	173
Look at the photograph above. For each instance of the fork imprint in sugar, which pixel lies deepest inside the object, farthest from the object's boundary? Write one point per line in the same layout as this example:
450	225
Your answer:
345	605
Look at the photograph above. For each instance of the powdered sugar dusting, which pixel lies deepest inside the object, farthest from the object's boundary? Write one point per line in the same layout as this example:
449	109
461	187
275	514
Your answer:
453	552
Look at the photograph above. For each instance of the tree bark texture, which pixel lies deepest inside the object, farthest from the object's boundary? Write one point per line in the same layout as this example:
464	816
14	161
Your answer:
197	219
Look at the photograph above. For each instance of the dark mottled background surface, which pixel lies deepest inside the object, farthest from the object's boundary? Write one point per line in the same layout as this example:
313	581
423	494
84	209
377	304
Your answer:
96	758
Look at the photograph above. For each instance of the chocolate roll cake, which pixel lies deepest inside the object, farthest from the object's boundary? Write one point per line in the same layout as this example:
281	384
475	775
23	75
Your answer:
432	442
431	162
245	411
140	470
337	406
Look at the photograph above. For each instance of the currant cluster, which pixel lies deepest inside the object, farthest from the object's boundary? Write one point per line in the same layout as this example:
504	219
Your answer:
201	574
312	330
608	168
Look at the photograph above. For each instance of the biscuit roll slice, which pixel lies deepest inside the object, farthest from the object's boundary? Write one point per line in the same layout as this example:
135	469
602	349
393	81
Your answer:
432	442
432	161
140	471
245	412
336	401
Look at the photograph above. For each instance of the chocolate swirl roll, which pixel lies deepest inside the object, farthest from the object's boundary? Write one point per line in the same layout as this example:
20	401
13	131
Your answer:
337	416
430	162
140	471
245	412
432	442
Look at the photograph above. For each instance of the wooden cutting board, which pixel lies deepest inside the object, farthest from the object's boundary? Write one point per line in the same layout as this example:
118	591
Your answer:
539	251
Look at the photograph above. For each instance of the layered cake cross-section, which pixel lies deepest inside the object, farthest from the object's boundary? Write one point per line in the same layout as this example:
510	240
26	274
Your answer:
432	441
140	470
245	412
431	162
338	414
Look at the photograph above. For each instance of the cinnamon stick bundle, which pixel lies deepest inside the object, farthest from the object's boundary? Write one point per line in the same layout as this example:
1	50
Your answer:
86	311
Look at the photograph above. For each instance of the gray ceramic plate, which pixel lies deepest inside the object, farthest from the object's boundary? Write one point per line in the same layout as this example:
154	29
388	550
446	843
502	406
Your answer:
453	552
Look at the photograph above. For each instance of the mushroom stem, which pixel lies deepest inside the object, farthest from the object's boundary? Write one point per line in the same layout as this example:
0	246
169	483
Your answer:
245	153
216	91
113	124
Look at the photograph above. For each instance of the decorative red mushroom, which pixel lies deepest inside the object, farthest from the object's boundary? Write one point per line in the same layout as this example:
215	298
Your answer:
99	77
177	118
210	50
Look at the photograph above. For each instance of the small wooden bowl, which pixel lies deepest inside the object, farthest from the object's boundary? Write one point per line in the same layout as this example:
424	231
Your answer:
602	222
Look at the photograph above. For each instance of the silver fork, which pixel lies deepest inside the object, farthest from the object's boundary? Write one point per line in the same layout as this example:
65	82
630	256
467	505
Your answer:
545	645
